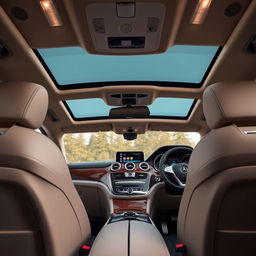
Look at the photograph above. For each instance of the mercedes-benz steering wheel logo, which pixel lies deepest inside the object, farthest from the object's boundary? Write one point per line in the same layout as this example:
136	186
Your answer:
184	169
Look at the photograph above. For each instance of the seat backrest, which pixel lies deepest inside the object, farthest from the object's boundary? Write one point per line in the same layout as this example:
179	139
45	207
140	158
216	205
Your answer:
218	207
41	212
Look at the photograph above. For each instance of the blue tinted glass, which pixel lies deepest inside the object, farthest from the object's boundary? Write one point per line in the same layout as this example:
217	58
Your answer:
84	108
170	107
73	65
87	108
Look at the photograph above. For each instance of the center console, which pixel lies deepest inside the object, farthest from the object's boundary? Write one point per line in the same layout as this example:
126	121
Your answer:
129	234
130	183
130	174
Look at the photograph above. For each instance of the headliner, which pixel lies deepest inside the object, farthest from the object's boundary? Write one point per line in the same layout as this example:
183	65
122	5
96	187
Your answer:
233	63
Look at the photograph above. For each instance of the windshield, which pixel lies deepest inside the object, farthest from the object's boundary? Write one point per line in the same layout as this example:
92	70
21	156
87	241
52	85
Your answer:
102	146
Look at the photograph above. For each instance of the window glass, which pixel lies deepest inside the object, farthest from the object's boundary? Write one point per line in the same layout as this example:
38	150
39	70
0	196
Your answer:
88	108
179	64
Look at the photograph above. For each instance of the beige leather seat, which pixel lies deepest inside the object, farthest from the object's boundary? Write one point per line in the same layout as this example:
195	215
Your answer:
217	215
41	212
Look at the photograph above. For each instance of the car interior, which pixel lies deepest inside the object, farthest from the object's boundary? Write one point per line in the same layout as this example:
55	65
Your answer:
127	128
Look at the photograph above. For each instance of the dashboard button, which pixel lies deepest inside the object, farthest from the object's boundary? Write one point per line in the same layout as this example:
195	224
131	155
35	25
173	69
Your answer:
157	178
129	174
130	190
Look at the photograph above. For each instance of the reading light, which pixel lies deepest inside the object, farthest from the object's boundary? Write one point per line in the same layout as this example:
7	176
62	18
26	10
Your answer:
51	13
200	11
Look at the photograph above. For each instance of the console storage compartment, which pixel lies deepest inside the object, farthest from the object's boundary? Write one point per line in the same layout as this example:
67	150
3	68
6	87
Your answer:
129	238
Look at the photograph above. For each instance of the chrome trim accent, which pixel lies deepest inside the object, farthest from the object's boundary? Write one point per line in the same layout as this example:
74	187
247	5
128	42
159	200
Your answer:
115	170
125	166
132	193
129	174
155	160
148	166
169	169
250	132
130	182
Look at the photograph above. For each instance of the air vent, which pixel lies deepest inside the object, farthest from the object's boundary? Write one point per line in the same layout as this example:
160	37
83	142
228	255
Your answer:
144	166
115	167
129	166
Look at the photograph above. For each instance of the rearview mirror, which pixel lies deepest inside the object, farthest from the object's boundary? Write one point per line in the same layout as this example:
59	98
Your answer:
130	136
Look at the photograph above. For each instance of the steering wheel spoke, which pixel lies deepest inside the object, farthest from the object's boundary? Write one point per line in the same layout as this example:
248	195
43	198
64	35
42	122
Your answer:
170	170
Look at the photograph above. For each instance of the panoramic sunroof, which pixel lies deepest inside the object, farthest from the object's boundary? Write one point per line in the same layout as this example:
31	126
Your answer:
73	67
177	108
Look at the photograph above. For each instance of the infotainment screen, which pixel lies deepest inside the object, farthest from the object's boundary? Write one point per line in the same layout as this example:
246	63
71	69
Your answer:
129	156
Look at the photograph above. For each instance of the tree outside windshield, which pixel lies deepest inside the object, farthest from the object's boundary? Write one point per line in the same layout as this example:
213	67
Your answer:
102	146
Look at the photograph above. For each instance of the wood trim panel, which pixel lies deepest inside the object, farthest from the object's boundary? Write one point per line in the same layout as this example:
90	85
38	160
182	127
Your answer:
123	205
88	174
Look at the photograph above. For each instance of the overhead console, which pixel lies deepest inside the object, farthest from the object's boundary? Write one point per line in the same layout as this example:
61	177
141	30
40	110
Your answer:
126	27
124	99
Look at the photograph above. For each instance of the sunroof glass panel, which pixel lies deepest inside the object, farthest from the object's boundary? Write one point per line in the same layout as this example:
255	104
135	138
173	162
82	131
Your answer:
86	108
180	64
176	107
161	107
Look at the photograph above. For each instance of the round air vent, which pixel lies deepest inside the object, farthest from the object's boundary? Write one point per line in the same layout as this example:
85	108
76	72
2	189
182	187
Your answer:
115	167
129	166
144	166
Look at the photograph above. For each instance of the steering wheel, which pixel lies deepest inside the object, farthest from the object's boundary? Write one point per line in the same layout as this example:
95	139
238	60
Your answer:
175	176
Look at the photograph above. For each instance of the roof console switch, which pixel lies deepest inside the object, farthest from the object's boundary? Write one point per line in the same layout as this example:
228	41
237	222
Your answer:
125	10
126	42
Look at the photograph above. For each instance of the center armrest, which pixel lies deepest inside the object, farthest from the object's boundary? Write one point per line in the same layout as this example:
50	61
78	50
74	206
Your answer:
129	238
112	240
146	240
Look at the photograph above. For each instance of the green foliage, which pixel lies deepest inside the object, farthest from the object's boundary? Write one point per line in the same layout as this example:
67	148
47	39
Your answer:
103	146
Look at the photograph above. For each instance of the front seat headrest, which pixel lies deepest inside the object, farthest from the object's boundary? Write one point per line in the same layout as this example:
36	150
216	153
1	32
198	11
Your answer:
230	103
22	103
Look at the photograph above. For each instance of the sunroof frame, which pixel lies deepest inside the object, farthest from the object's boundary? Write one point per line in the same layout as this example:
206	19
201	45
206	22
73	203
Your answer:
150	117
115	83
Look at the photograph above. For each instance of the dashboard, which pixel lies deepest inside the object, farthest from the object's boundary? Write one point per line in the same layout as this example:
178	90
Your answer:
130	174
